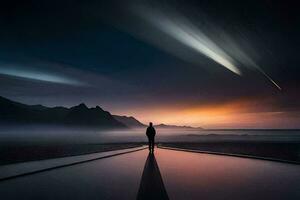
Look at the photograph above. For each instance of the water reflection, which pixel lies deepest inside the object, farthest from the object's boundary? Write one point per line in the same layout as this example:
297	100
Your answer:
203	176
151	185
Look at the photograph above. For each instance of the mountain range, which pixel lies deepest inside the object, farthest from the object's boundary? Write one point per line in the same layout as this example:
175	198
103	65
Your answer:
14	113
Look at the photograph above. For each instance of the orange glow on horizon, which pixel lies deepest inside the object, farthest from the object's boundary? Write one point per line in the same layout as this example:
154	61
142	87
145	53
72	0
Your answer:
237	114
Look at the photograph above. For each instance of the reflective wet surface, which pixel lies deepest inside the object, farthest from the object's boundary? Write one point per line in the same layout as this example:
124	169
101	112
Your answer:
168	174
110	178
20	169
203	176
152	185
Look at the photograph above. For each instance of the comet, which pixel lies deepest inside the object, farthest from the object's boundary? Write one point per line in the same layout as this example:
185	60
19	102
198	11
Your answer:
186	33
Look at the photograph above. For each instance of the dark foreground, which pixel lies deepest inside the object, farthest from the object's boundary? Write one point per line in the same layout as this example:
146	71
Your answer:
289	151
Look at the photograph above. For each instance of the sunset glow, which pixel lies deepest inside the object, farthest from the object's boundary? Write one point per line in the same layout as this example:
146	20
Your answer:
236	114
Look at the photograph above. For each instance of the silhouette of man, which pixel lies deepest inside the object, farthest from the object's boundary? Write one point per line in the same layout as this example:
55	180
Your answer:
151	134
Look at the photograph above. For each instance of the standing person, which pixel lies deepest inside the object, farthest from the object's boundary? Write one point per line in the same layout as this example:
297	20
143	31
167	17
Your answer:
151	134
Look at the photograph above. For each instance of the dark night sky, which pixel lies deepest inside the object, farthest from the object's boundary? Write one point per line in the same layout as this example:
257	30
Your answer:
126	58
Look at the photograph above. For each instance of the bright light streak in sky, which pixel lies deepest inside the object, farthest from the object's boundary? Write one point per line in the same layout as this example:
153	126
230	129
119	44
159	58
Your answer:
186	33
38	75
243	58
191	37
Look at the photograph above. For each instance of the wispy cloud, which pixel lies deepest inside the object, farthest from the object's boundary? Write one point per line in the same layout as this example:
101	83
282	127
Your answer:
37	75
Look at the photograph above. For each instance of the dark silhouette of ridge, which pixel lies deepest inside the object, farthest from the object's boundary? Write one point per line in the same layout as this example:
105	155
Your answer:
166	126
151	186
132	122
12	112
129	121
21	114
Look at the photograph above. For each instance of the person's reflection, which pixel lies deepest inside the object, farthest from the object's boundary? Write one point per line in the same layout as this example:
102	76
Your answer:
152	186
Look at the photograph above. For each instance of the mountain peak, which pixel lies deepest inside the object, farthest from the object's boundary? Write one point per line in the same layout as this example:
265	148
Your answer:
81	106
16	113
99	108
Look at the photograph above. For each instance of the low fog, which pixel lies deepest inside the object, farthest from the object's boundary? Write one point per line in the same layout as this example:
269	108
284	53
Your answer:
28	135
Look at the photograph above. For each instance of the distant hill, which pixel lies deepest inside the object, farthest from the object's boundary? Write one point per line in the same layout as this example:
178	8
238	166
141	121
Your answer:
165	126
17	113
130	122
